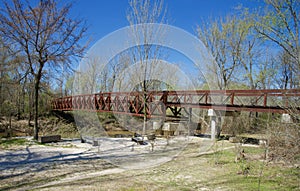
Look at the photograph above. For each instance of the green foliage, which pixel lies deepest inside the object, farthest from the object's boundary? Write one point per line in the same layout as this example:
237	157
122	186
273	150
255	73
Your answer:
247	174
244	167
239	86
7	143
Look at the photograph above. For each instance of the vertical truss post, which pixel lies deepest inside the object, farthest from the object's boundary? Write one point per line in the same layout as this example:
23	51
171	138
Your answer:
164	107
109	102
232	98
206	98
96	102
265	99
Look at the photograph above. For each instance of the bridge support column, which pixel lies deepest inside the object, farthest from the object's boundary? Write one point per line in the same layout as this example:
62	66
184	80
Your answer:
212	115
213	127
286	118
190	121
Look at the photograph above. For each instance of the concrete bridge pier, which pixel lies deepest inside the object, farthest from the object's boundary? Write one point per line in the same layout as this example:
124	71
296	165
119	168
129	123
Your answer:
212	115
189	121
213	127
286	118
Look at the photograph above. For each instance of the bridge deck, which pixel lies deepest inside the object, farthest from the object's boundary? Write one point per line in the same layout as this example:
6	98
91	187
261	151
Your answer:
157	102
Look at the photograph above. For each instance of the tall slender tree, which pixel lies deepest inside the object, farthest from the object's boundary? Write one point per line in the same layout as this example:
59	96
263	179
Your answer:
44	35
145	54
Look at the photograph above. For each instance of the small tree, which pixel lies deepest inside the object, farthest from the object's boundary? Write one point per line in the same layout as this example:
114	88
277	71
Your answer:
45	36
147	55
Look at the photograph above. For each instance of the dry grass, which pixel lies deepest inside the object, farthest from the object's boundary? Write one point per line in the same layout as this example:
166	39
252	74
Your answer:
216	170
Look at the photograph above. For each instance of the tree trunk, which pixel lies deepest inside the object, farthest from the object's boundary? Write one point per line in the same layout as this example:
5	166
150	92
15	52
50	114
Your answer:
30	106
145	109
37	80
19	102
38	77
9	132
36	109
1	97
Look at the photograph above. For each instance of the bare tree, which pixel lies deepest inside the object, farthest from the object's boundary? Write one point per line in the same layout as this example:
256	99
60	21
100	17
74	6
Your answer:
118	68
44	35
266	74
92	75
115	71
224	39
286	77
280	24
12	78
4	67
249	53
145	54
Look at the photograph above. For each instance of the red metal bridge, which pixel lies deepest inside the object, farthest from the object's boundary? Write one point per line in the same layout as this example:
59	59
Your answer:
158	102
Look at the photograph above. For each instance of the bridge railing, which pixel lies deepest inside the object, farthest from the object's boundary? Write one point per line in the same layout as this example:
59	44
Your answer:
157	102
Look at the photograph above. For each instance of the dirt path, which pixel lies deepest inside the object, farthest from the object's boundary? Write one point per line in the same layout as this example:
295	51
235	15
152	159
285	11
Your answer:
27	166
123	178
114	164
39	166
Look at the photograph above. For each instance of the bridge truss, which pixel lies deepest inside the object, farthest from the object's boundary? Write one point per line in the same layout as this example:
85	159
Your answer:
158	102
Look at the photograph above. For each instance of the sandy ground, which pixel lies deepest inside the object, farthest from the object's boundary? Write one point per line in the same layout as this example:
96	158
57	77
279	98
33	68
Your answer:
40	166
120	164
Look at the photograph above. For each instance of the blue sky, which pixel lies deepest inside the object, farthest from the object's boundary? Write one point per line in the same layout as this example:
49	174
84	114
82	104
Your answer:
106	16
